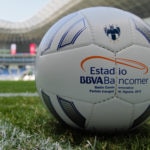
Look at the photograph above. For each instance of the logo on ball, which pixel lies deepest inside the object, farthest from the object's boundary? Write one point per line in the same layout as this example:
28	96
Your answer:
113	32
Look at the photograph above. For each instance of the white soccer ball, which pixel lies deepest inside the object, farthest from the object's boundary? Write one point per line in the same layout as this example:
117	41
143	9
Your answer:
92	70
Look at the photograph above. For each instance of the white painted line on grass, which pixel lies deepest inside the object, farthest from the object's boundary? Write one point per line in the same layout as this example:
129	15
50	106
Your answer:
11	136
18	94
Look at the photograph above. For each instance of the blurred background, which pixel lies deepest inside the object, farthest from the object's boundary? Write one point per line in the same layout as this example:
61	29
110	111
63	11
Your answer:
23	24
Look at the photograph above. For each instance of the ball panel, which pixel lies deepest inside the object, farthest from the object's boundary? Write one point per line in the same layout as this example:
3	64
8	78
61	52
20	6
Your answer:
71	111
67	110
141	113
134	74
141	32
111	115
67	34
49	104
84	79
109	32
77	111
52	103
48	38
70	36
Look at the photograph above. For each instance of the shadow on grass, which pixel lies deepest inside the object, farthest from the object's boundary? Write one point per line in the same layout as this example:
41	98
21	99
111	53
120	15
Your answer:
64	133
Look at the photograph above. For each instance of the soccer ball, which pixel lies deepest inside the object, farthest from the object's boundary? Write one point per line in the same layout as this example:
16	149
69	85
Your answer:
92	70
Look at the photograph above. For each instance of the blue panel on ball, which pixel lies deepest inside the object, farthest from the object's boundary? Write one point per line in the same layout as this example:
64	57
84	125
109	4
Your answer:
72	33
141	118
71	111
52	32
143	29
50	106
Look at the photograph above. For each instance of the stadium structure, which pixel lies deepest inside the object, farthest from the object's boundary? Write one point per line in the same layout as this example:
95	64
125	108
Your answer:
19	40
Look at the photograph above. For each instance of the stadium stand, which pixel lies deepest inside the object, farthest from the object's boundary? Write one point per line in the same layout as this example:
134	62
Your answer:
20	40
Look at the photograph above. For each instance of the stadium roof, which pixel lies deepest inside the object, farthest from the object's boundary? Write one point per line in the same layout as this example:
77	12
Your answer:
34	28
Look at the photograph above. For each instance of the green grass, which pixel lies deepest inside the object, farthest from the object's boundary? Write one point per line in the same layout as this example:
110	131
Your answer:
25	124
29	114
17	86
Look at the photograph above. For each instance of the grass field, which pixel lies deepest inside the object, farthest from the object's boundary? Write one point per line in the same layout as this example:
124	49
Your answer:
25	124
17	86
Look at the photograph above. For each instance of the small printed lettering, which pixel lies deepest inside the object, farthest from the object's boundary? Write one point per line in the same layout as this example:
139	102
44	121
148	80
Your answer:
131	81
109	80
